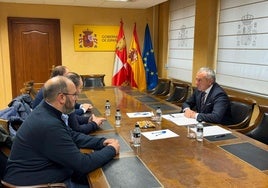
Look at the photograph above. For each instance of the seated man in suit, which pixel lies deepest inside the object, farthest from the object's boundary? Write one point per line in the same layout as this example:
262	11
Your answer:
78	123
209	101
62	71
46	150
57	71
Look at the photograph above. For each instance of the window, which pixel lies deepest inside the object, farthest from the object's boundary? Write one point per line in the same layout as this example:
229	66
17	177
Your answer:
181	39
242	61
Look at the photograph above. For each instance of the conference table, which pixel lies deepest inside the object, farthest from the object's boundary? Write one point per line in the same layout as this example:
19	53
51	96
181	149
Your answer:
234	160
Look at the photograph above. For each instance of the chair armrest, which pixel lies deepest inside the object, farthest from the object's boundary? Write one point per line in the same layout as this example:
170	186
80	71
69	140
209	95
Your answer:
247	129
49	185
240	125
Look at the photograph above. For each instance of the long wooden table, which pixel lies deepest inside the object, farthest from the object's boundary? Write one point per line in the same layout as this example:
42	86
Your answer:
178	161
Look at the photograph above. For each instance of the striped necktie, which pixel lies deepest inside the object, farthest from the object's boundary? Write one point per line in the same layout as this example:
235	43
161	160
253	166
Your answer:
203	99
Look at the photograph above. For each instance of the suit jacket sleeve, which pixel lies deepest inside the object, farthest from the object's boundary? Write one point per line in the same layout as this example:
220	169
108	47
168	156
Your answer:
38	98
81	124
191	101
79	111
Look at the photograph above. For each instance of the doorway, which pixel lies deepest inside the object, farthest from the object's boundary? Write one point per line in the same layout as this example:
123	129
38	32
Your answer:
35	48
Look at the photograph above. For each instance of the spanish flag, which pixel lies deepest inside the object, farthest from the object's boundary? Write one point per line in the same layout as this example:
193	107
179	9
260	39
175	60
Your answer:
137	76
121	67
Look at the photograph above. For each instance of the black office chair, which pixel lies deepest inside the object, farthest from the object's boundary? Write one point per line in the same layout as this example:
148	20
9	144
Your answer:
241	110
179	93
93	81
259	129
162	88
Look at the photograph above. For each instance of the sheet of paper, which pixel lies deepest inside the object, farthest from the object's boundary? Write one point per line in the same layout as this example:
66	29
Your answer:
139	114
213	131
179	119
159	134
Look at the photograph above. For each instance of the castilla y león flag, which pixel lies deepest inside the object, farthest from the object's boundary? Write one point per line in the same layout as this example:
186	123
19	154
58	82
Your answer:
121	67
137	75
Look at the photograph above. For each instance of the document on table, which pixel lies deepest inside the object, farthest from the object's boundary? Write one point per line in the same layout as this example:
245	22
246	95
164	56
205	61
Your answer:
180	119
213	131
159	134
140	114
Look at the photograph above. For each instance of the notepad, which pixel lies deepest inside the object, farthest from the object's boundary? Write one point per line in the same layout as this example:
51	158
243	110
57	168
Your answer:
159	134
180	119
213	131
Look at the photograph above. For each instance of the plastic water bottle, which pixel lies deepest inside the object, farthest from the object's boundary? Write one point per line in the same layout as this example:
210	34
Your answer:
117	118
199	131
158	115
107	108
136	136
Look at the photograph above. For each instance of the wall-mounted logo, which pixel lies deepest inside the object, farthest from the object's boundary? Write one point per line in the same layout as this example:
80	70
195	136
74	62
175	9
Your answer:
88	39
246	31
182	36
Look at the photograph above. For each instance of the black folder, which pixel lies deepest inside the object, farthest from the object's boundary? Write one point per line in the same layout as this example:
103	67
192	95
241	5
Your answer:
129	172
250	153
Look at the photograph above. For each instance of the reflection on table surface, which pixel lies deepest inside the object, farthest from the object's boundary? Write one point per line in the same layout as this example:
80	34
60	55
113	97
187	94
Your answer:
172	162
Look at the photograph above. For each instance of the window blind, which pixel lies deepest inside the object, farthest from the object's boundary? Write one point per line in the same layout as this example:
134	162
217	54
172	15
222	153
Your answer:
242	61
181	39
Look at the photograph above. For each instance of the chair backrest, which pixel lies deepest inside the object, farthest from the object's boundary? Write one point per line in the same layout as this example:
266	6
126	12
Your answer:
260	127
163	87
241	110
49	185
179	94
4	124
29	89
92	81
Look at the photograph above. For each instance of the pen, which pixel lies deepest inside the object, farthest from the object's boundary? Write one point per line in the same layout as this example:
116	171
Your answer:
141	113
172	115
219	136
159	133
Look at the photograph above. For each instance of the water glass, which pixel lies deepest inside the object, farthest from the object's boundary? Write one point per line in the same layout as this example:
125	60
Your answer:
190	133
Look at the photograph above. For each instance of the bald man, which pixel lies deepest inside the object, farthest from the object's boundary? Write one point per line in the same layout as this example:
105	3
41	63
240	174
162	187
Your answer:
46	150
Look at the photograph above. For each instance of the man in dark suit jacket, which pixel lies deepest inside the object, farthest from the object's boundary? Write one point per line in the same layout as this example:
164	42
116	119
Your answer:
80	109
209	101
84	124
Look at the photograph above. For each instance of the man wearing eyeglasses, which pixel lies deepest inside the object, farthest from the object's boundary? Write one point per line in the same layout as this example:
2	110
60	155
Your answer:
46	150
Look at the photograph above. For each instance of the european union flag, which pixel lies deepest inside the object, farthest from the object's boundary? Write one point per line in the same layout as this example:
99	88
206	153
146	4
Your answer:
149	61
